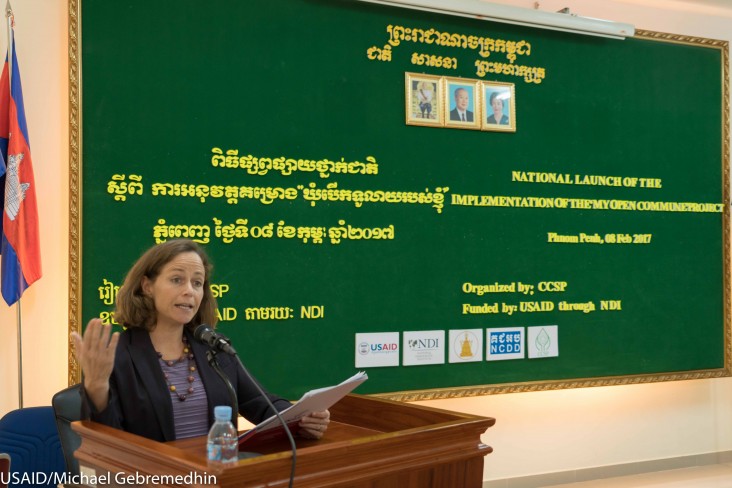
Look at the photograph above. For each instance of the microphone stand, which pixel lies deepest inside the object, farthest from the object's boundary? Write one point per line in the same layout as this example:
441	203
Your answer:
211	356
279	417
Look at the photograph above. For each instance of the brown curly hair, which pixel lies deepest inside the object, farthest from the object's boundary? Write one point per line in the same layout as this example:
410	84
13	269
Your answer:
135	309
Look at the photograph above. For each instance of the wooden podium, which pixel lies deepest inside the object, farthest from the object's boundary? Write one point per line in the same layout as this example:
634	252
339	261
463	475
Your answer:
371	443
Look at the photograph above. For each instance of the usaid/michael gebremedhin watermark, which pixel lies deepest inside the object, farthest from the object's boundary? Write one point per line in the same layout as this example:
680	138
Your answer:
40	478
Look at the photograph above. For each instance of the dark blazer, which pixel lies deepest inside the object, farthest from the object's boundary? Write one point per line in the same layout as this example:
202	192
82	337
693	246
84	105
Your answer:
454	115
139	400
492	119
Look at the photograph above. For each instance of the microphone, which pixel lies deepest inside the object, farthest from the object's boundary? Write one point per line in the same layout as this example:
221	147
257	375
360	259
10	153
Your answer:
205	334
210	337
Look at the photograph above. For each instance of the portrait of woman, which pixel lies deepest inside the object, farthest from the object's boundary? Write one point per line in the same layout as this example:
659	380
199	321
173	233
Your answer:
495	102
499	111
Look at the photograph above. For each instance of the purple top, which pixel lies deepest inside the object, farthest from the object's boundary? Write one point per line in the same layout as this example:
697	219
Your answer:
190	416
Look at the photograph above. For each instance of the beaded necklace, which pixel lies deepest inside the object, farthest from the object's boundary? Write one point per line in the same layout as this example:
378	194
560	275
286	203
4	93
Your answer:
187	353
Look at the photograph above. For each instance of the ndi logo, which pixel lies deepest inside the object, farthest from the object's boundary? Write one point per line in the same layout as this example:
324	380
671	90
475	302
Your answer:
505	343
423	347
422	344
377	349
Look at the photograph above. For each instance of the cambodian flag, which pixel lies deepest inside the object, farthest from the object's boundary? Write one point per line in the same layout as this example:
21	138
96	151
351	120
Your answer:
21	257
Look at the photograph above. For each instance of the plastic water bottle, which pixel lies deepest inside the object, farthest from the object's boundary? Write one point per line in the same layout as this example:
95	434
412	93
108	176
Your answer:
223	441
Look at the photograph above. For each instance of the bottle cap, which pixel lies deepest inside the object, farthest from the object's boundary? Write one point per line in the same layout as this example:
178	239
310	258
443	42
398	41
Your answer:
222	412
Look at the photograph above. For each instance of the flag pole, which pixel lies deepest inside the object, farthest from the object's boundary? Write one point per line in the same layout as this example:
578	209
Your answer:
18	319
20	357
9	15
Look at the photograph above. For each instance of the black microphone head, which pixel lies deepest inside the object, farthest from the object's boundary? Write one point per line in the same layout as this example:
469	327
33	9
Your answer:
203	333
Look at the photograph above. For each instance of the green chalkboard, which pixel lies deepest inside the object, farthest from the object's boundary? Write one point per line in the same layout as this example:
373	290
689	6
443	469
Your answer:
583	242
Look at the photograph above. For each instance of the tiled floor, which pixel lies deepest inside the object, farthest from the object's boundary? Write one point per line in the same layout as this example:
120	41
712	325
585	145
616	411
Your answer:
712	476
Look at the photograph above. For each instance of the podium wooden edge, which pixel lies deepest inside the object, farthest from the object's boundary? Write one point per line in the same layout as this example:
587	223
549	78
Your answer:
371	440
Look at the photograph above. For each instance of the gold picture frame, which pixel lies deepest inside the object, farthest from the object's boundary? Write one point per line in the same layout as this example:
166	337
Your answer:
462	103
498	97
424	100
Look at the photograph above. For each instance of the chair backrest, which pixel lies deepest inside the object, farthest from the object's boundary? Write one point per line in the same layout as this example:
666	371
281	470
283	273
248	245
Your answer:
30	437
4	470
67	407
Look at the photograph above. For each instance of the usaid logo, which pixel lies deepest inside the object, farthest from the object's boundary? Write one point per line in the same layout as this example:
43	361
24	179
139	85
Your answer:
375	349
366	348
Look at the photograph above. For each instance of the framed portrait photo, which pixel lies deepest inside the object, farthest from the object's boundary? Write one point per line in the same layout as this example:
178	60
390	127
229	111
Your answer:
499	106
462	103
424	100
